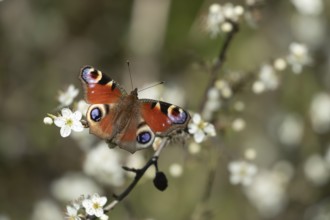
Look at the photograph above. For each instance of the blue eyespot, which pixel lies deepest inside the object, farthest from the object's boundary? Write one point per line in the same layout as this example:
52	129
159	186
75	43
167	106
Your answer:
177	116
96	114
144	137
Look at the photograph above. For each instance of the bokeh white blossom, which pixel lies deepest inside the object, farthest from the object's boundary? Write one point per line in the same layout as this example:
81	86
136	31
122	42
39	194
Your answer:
105	165
320	112
267	193
66	98
242	172
72	185
298	57
308	7
219	18
316	170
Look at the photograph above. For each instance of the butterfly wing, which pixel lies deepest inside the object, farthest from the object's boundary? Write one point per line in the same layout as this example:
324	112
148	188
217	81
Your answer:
100	120
163	118
137	135
99	88
104	94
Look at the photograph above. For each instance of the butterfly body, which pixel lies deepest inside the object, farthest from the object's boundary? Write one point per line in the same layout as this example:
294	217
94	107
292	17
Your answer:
125	120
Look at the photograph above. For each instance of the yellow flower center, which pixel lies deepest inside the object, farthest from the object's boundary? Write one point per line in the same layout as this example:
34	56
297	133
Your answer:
69	122
96	205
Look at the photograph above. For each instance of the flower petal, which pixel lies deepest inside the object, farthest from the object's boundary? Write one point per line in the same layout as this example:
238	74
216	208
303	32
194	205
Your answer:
71	211
66	112
102	200
98	212
199	136
77	126
59	121
77	115
87	203
196	118
192	128
209	129
65	131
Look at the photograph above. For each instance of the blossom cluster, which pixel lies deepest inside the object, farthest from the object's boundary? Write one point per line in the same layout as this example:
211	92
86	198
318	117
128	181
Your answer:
87	206
220	18
268	78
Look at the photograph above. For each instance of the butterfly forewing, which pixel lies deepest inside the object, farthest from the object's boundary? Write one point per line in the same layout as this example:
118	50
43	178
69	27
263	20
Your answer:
99	88
163	117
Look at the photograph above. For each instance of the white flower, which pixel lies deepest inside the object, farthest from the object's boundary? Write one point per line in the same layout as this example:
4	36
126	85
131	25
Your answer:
82	106
258	87
308	7
104	217
105	165
212	103
214	19
232	12
316	170
238	124
267	193
224	88
241	172
46	209
291	130
72	213
279	64
48	120
72	185
94	205
320	112
268	77
67	97
194	148
327	157
298	57
69	121
200	129
218	16
250	154
176	170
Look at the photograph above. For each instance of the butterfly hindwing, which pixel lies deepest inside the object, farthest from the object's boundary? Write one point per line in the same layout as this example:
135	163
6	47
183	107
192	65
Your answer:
99	88
137	135
163	117
100	120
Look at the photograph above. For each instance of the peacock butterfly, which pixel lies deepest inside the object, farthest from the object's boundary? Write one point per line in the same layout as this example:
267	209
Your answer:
123	119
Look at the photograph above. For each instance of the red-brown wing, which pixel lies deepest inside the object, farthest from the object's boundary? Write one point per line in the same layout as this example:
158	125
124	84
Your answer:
100	121
137	135
99	88
162	117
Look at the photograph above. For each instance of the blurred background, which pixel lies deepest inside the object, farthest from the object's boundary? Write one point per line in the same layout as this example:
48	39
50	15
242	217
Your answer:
282	127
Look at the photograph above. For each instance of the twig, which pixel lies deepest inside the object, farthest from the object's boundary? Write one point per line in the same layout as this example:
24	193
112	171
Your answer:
219	62
138	175
201	210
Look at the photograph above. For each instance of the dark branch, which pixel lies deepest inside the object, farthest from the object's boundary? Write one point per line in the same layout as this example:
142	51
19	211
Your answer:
138	175
219	62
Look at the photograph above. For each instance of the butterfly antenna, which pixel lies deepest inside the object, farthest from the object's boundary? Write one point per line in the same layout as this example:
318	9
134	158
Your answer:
130	75
156	84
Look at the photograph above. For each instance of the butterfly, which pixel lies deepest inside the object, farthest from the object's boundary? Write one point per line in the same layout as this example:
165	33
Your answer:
123	119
